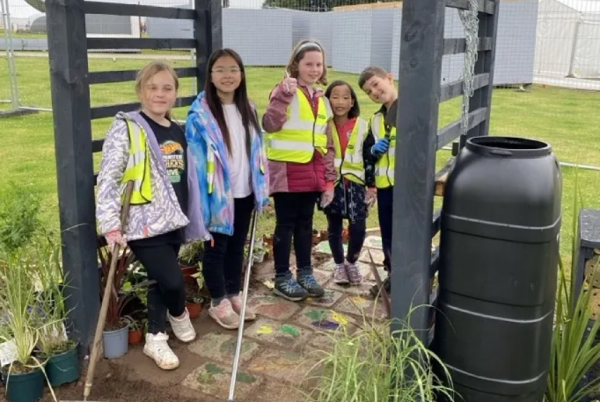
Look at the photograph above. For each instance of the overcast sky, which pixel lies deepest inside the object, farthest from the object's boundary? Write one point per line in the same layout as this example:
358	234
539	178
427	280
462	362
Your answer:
20	9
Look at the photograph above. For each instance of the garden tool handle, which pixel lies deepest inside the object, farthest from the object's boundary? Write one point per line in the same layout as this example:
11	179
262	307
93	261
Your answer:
104	308
246	287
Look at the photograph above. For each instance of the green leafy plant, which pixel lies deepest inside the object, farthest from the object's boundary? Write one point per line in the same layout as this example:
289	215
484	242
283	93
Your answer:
51	298
21	316
574	349
192	253
374	364
19	217
118	296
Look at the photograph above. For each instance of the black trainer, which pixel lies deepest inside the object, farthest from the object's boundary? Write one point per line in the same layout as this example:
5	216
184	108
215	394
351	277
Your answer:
308	282
289	288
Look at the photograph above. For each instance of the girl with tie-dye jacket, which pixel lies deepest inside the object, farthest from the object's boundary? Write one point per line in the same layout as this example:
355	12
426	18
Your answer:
226	142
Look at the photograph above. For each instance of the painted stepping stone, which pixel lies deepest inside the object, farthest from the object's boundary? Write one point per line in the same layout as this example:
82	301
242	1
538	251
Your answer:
213	379
377	255
286	335
328	300
361	290
322	277
361	306
373	242
328	266
324	248
322	319
283	365
273	307
221	347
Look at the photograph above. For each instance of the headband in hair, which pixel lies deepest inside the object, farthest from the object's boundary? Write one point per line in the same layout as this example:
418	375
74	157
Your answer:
309	44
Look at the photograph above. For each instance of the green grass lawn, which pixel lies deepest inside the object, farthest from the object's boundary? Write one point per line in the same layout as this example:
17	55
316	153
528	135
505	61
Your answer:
567	119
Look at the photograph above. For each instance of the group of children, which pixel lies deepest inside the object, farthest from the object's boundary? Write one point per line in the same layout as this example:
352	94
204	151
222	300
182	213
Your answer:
202	183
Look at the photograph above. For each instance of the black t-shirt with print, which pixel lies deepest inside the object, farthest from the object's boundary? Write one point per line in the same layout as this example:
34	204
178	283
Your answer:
173	146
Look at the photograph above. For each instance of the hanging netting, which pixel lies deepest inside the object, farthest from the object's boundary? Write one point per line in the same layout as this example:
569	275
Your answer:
470	22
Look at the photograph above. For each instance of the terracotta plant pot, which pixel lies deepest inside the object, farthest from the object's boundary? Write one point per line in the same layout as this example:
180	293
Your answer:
345	236
188	271
194	309
135	336
268	240
324	235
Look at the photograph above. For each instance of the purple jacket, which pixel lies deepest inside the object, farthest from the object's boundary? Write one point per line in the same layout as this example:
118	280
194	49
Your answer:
160	216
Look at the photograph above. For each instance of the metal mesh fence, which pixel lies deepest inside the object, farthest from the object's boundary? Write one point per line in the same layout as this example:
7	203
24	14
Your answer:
554	44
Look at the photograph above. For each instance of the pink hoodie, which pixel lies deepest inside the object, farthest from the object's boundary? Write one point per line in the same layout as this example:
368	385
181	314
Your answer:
317	175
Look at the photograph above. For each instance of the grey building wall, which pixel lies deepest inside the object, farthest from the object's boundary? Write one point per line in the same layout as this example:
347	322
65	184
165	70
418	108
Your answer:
351	40
94	24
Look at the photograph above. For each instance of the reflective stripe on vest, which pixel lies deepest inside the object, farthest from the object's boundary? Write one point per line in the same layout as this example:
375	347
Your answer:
138	166
302	133
351	165
384	167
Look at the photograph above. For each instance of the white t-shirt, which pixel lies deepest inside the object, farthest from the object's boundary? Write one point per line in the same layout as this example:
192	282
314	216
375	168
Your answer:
239	163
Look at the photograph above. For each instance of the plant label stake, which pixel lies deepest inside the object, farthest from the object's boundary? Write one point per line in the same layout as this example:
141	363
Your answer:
104	308
238	346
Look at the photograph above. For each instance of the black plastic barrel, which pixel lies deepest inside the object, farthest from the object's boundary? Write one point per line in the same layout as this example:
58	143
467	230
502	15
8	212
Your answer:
498	269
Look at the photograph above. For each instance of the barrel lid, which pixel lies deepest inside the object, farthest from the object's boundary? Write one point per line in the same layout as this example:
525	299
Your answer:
508	147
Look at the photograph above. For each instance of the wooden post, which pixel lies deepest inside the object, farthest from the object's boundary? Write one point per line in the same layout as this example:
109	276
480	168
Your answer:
208	33
417	122
74	163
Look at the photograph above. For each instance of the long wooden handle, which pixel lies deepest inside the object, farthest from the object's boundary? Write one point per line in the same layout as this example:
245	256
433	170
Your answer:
107	290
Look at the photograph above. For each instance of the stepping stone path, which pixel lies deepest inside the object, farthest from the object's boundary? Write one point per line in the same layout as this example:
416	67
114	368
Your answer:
279	348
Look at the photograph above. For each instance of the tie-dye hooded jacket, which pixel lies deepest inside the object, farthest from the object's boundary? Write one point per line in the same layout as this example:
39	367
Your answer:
160	216
204	136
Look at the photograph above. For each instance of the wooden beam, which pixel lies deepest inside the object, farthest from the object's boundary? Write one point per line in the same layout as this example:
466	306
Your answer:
485	6
139	43
458	45
453	130
97	7
106	77
111	110
68	59
420	74
454	89
442	176
216	24
482	97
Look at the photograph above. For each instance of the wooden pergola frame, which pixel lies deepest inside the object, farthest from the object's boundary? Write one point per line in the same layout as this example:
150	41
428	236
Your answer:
415	223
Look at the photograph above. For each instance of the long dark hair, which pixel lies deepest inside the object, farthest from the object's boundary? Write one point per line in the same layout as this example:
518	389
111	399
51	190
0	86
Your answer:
355	109
240	98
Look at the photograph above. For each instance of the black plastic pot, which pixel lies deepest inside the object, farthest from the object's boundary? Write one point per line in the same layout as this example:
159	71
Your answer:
27	387
63	368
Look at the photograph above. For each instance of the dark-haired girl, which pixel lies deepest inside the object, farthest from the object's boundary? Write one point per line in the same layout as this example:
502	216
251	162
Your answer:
355	190
226	142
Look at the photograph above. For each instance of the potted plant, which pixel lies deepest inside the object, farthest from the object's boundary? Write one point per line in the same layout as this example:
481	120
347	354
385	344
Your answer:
63	362
19	335
115	337
194	300
316	237
136	333
190	257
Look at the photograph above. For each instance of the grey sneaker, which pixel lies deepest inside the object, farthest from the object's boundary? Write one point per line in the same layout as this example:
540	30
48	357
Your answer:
308	282
354	275
288	288
340	276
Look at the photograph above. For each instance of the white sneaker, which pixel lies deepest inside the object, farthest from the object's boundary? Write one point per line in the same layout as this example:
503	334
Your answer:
182	327
158	349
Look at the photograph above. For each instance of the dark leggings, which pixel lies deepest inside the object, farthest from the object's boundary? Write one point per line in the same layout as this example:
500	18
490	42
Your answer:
222	264
385	207
168	293
357	232
294	213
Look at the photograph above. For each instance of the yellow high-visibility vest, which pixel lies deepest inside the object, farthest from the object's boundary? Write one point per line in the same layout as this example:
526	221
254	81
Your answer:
384	167
138	165
302	133
351	165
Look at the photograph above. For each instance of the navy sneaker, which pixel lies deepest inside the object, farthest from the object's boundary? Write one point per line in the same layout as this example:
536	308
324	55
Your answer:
289	288
308	282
